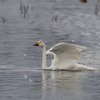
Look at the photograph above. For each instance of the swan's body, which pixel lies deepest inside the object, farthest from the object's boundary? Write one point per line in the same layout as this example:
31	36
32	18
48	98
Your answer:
65	56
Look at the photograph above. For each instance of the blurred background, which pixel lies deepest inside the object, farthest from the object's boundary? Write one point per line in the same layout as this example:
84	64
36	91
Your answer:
22	24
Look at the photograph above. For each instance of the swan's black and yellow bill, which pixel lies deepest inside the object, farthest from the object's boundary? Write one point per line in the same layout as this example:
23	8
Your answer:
37	44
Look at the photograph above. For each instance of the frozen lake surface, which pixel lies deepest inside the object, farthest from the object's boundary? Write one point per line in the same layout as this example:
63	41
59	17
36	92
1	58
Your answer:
76	23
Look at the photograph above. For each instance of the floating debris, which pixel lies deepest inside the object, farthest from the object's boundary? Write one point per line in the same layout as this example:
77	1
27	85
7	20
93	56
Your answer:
97	7
73	41
25	76
83	1
23	9
54	19
25	54
30	80
3	19
31	8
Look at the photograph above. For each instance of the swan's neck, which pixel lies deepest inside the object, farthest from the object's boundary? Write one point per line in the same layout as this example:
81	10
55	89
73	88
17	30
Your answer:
44	63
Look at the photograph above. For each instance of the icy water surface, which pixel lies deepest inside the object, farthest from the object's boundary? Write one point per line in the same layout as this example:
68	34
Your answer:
76	23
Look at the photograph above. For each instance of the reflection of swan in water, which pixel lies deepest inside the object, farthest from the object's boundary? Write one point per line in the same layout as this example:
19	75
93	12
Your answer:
62	85
65	56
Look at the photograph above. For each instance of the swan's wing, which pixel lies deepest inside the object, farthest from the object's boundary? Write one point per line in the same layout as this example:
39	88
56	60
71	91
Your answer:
67	50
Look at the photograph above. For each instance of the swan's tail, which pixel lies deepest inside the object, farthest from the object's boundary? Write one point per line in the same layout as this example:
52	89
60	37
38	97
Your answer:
83	67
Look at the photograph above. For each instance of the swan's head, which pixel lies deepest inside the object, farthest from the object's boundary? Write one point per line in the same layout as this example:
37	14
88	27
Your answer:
39	43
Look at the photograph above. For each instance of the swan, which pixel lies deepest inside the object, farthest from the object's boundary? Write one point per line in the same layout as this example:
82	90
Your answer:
66	56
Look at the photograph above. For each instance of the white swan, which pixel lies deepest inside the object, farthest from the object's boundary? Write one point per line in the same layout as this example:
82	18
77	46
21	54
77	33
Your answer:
65	56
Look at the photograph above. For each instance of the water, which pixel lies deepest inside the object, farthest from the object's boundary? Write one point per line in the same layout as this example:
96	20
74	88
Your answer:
76	23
